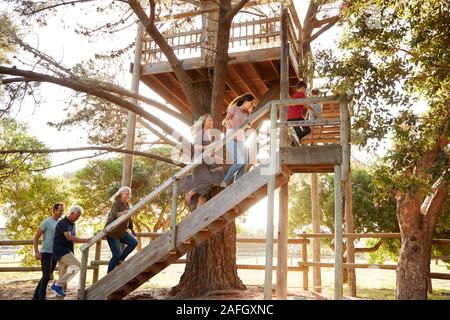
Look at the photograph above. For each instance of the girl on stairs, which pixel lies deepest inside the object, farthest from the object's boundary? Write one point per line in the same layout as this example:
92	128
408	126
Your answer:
238	111
205	175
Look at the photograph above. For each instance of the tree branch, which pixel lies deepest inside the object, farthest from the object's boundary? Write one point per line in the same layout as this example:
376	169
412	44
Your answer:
415	56
160	135
14	80
89	89
234	11
58	5
371	249
67	162
334	20
109	149
433	204
319	23
42	55
177	65
104	86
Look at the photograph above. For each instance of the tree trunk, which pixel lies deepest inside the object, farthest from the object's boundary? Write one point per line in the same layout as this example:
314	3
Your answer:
211	266
417	220
416	236
221	61
413	267
203	90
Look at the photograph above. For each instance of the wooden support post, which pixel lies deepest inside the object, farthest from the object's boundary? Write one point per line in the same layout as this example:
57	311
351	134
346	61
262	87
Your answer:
98	252
127	171
305	259
270	203
83	274
338	267
283	219
346	179
173	215
317	277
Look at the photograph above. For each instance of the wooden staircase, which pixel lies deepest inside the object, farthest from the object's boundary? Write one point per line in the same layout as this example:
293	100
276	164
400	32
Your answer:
197	227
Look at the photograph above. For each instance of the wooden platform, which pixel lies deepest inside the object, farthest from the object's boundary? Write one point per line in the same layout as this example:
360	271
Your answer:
197	227
247	72
311	159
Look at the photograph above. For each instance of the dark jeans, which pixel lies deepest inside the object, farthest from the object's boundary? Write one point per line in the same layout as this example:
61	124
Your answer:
117	253
48	265
301	131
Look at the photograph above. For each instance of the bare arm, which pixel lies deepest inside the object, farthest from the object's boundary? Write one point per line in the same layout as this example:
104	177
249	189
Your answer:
228	116
37	235
74	239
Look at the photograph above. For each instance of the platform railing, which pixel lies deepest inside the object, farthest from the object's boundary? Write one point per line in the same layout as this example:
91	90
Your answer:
251	34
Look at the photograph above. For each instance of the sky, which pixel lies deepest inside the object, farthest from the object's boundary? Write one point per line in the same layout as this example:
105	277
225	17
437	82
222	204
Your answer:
66	46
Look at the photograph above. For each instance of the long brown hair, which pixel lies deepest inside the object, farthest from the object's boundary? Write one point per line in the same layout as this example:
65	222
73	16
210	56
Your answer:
239	101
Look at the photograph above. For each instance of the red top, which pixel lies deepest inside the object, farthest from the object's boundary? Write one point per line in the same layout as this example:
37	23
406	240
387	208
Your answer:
297	111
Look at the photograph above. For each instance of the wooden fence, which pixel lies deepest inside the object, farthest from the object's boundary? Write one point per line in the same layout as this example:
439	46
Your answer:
303	266
309	264
97	262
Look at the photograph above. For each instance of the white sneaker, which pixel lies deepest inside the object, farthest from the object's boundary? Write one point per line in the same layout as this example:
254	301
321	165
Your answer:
223	184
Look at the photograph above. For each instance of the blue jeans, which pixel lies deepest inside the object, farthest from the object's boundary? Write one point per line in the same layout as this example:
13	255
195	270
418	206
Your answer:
237	150
117	254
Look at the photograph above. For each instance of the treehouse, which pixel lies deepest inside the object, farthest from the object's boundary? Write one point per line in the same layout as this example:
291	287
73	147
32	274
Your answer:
258	48
254	49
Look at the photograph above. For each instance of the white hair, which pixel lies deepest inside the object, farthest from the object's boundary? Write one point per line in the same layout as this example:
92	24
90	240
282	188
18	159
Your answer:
119	192
76	208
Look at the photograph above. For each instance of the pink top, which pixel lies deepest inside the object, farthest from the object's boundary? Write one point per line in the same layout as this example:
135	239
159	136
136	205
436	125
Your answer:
238	118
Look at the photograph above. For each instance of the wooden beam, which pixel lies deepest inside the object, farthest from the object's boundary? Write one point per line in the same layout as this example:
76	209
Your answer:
259	55
338	259
247	82
98	252
317	277
311	155
275	69
83	274
232	84
169	81
283	217
295	17
156	85
347	184
255	69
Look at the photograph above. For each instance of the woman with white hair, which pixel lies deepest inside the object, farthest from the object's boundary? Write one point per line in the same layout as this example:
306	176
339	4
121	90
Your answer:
120	234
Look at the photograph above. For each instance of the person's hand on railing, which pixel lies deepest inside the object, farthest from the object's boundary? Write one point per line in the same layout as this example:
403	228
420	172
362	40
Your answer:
37	255
86	240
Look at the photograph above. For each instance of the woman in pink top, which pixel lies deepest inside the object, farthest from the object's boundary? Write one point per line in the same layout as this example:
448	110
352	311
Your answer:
238	111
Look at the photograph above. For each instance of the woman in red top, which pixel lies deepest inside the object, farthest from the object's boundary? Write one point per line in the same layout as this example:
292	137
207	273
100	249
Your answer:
297	112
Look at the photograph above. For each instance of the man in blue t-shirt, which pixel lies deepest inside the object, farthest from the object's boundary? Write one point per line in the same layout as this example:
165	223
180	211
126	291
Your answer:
48	262
63	243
